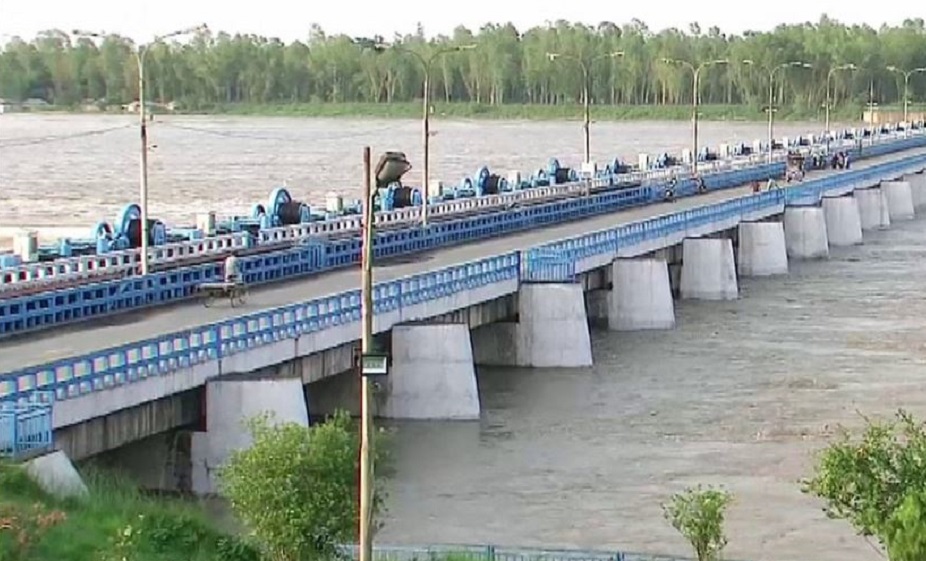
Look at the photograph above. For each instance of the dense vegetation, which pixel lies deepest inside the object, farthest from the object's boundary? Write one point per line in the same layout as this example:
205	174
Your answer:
215	71
114	523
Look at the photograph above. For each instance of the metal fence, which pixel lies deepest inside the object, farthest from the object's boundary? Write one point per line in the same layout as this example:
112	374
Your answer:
548	265
498	553
26	425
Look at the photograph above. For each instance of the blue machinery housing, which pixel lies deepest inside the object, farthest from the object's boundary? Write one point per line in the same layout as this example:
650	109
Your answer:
22	430
53	308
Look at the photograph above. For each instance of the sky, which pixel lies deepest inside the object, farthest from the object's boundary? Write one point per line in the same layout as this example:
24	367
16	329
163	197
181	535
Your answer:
290	19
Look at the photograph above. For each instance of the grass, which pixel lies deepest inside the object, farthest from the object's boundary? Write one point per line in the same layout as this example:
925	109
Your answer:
114	522
410	110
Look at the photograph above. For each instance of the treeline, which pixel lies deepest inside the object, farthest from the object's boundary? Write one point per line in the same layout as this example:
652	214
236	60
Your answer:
506	66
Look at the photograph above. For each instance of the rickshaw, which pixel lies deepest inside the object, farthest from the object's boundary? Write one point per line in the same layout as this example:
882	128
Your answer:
795	167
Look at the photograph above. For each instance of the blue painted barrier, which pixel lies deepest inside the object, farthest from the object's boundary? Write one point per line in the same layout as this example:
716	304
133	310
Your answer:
545	265
158	356
59	307
26	425
496	553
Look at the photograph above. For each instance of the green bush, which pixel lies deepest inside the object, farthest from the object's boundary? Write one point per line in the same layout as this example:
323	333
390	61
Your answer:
698	514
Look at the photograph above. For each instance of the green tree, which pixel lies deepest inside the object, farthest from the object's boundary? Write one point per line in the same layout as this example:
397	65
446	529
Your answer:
296	487
509	66
698	515
877	482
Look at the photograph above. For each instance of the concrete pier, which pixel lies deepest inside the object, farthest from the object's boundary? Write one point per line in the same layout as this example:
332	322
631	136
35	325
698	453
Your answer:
552	331
873	208
917	183
708	270
843	221
762	251
899	200
642	296
805	233
432	375
230	404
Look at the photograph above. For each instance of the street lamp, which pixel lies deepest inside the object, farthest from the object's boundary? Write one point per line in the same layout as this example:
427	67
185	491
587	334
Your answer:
696	86
906	86
771	94
426	65
585	88
140	54
829	77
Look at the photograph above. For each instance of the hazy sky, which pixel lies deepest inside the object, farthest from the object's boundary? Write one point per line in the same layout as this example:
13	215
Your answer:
290	19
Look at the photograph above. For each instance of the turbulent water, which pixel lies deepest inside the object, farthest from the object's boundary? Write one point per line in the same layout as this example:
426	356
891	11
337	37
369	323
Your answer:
740	394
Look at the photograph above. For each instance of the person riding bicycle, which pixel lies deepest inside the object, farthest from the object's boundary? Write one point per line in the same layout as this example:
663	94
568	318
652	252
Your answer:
231	270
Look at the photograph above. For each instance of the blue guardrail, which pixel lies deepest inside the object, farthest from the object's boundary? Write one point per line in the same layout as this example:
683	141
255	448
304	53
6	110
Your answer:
20	427
58	307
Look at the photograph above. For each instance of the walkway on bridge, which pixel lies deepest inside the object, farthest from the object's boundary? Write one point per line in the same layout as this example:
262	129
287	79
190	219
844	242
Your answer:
94	335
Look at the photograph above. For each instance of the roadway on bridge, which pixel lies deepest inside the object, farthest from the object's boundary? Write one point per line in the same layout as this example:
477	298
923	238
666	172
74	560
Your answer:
79	339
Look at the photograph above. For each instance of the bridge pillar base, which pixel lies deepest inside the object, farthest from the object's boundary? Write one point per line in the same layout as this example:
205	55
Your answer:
708	269
873	208
917	183
642	296
230	404
552	331
762	250
432	374
899	200
805	233
843	221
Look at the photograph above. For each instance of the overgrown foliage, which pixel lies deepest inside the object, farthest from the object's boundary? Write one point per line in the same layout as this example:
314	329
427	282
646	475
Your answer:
508	66
296	488
113	523
698	515
877	482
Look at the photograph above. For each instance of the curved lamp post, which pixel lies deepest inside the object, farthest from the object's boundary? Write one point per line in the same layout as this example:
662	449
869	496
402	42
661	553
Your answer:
141	53
586	86
695	95
771	96
829	76
427	63
906	86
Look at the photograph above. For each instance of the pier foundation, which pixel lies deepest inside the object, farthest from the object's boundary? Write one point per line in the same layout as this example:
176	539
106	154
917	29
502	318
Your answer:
708	270
873	208
551	332
642	296
229	406
899	200
843	221
917	183
432	374
762	250
805	233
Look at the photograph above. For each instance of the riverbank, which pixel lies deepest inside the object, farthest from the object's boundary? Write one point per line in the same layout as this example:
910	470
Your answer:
413	110
469	111
114	522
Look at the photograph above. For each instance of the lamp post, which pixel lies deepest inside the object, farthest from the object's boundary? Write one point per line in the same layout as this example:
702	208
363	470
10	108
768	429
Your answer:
586	86
771	96
906	87
829	77
426	65
696	86
141	53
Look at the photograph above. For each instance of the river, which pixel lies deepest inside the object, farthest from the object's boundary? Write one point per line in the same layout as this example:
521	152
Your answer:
741	393
61	174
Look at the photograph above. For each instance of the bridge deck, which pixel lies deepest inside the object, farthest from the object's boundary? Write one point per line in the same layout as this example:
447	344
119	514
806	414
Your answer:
35	349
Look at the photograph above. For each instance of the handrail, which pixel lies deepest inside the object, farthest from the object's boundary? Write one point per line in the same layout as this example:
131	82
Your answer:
126	262
397	299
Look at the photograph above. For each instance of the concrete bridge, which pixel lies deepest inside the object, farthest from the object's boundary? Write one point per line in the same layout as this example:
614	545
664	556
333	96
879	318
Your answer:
524	300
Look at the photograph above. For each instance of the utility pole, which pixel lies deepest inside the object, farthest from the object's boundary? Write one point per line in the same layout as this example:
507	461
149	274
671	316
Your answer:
366	343
586	91
906	91
771	97
695	100
829	77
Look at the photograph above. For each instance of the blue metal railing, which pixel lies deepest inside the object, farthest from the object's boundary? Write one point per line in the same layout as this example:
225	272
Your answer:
162	355
26	425
497	553
58	307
